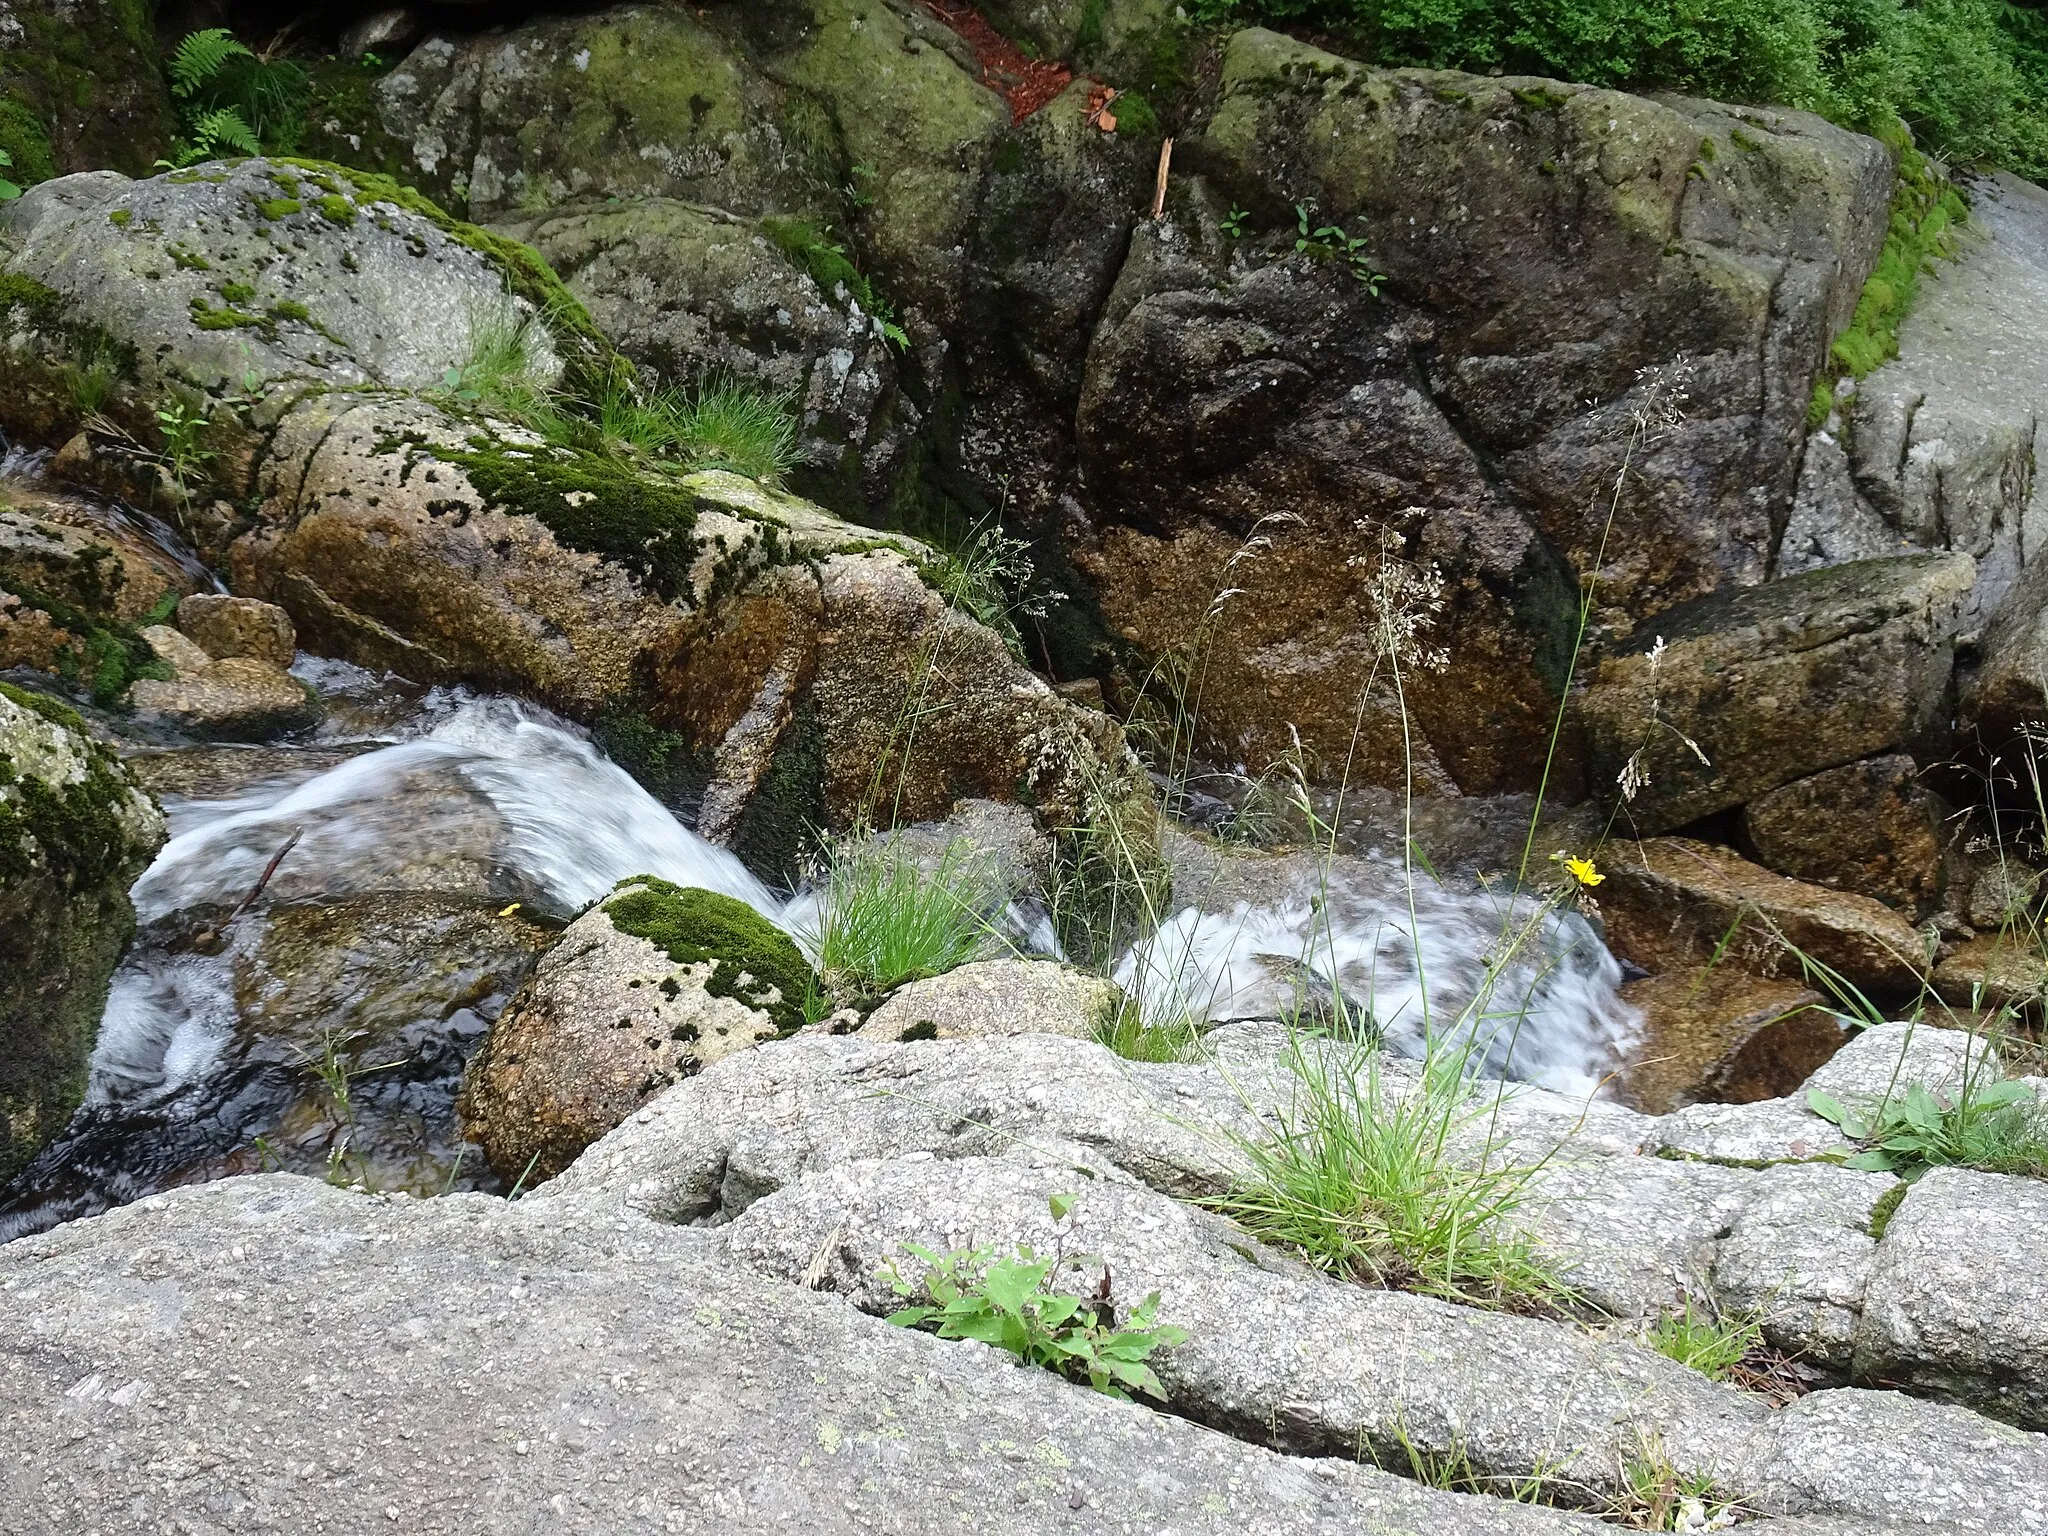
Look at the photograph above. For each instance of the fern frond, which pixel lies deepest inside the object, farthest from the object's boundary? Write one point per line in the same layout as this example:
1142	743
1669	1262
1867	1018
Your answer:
224	128
200	57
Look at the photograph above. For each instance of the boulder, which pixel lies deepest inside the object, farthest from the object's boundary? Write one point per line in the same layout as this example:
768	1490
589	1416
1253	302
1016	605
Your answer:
75	829
727	1400
998	997
1675	902
777	646
233	697
1868	827
1994	970
1753	688
698	295
1953	1305
66	552
224	626
1937	442
1234	378
650	986
1723	1036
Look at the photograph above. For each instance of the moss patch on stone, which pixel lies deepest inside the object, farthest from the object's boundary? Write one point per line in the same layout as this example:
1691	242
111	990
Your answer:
74	830
592	503
1887	1207
1927	210
777	829
749	955
108	656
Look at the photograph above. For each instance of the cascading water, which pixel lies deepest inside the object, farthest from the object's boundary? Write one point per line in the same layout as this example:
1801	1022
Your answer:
1528	990
398	924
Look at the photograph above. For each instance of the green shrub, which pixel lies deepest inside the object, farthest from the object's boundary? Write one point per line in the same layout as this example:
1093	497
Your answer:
1969	76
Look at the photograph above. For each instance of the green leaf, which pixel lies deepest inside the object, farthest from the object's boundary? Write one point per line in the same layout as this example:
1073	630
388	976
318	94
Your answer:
910	1317
1998	1095
1922	1111
1871	1162
1009	1283
1060	1205
1826	1105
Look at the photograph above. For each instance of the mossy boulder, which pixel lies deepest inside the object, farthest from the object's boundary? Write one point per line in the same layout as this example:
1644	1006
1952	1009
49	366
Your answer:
650	986
635	100
75	830
1459	390
81	87
233	287
691	292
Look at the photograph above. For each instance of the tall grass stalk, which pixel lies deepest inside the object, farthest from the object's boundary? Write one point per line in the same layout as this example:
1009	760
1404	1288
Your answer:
888	918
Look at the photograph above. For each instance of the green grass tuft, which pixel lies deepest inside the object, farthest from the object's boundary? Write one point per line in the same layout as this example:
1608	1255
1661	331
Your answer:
888	918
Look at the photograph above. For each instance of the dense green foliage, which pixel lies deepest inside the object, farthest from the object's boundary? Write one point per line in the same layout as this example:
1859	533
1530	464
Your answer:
1970	77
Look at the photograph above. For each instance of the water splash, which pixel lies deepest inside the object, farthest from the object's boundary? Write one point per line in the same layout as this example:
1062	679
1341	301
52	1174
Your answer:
1532	989
552	819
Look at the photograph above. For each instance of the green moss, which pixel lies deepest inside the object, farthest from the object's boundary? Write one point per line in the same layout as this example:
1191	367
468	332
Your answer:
27	141
109	655
660	760
592	503
749	954
237	293
1135	117
336	209
186	259
1542	98
44	305
227	318
1926	211
1887	1207
120	217
276	207
72	829
1821	405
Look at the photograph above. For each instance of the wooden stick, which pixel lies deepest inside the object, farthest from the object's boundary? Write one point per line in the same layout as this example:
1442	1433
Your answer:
269	869
1159	189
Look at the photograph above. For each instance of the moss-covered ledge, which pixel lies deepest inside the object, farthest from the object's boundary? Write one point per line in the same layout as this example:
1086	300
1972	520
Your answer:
74	831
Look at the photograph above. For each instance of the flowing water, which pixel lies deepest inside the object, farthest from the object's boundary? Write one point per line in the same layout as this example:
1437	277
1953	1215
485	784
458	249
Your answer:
437	841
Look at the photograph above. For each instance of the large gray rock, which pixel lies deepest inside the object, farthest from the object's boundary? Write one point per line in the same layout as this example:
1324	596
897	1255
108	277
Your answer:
696	294
1953	1306
75	830
576	1376
256	280
1939	442
1751	689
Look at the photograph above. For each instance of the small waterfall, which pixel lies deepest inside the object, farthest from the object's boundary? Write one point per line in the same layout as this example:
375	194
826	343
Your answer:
1530	989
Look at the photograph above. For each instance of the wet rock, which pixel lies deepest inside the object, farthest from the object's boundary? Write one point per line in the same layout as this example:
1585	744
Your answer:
792	1389
75	829
52	546
998	997
1672	902
1867	827
398	990
225	626
1231	379
235	698
1993	970
693	293
1725	1036
650	986
1953	1308
1774	683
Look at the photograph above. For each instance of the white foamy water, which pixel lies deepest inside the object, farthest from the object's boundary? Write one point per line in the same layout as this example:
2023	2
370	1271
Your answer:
1533	991
501	774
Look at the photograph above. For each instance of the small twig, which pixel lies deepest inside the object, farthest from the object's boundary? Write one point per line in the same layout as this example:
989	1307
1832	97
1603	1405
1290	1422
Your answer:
1159	187
269	869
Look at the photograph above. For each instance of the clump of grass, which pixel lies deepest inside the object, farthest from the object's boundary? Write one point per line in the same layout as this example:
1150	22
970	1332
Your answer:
888	917
504	368
726	425
1135	1037
990	578
1702	1339
1363	1181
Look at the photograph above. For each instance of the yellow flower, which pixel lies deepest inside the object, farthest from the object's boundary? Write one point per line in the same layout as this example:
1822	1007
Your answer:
1582	870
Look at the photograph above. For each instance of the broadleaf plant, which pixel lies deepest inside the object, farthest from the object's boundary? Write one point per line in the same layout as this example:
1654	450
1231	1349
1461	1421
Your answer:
1009	1302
